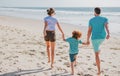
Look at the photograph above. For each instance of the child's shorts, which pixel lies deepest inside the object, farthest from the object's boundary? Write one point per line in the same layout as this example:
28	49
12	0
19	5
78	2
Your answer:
96	44
72	57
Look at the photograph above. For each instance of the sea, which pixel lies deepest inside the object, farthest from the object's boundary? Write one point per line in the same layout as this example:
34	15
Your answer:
78	16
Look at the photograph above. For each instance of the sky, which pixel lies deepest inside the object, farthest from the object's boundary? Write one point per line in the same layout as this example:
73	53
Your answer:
59	3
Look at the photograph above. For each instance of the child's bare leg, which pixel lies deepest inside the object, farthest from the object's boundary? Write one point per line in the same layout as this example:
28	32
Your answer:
75	62
72	68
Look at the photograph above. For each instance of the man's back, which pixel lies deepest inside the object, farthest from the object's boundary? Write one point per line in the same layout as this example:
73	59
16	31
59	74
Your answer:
98	27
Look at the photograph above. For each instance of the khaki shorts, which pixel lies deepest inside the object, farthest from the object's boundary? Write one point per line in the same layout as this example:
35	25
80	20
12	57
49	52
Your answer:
50	36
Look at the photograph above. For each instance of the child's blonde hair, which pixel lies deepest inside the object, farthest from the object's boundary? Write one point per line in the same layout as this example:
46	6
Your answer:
76	34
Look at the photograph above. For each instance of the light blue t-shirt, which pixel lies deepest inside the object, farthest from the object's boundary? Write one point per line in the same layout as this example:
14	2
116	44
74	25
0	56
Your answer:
98	27
51	21
73	45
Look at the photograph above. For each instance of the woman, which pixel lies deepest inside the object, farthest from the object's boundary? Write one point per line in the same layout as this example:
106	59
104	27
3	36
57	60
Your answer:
49	33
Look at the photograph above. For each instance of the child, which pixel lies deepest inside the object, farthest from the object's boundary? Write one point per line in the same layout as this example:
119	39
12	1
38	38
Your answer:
73	50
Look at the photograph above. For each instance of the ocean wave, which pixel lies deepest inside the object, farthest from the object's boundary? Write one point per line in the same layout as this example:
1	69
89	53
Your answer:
63	15
59	12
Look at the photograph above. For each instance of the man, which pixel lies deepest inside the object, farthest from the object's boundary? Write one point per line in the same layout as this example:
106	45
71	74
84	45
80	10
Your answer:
97	32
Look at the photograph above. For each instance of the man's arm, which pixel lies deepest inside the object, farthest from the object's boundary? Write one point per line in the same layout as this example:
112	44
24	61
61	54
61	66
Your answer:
89	34
108	33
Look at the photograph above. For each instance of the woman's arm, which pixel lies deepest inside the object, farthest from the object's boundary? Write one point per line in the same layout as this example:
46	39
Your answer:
59	28
61	31
108	33
89	34
44	31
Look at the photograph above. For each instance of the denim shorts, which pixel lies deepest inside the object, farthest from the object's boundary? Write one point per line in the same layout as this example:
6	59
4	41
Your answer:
72	57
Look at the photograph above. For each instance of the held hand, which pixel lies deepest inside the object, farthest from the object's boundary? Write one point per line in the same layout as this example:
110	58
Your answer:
88	42
63	37
108	36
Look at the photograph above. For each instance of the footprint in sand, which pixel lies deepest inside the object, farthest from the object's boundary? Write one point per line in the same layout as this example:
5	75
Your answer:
114	66
102	61
60	47
19	69
43	63
67	64
65	58
43	53
114	53
88	56
1	53
89	68
31	54
118	72
80	74
87	75
23	35
59	68
110	62
60	60
15	56
57	54
65	71
89	59
32	50
94	64
38	65
106	69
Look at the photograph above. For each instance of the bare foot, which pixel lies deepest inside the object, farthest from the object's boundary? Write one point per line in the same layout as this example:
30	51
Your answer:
72	73
98	73
52	66
49	61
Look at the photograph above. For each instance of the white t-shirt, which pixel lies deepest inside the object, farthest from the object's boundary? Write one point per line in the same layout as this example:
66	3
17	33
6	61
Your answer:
51	21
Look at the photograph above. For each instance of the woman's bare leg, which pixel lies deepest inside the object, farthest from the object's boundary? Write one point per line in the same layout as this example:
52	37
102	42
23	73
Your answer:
48	50
52	53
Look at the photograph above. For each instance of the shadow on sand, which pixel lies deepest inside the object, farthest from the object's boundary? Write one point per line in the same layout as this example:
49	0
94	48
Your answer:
24	72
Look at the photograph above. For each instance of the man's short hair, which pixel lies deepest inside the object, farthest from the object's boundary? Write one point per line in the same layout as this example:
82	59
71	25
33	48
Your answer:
97	10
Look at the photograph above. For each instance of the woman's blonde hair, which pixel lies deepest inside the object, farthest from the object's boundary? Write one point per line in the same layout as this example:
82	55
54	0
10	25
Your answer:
50	11
76	34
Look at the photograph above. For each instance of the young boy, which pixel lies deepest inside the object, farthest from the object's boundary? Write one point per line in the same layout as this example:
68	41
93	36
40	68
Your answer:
73	50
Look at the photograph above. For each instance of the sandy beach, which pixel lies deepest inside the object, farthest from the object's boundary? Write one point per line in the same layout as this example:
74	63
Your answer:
23	51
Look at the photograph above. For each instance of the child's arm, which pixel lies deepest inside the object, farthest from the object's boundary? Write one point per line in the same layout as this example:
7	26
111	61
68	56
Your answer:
67	39
84	43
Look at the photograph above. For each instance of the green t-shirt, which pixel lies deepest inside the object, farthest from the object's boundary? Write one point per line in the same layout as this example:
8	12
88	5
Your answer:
73	45
98	27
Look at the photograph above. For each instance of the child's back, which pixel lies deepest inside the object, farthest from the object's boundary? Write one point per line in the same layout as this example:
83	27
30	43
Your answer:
73	45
